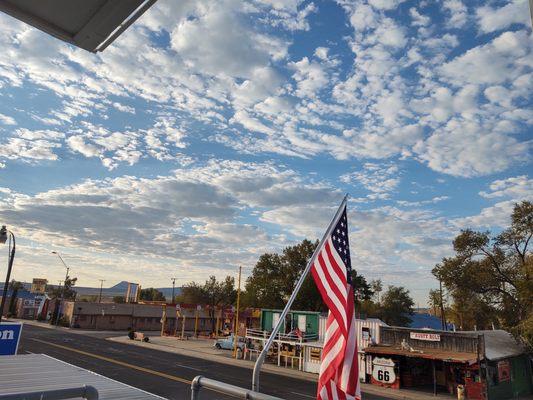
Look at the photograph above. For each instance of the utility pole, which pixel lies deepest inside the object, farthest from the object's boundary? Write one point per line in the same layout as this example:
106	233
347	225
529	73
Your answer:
4	233
64	286
101	286
236	332
173	286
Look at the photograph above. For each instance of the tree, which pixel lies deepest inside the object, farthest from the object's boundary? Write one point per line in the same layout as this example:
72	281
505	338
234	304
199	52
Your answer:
14	286
275	275
214	293
434	302
151	294
274	278
119	299
396	306
492	275
64	291
377	287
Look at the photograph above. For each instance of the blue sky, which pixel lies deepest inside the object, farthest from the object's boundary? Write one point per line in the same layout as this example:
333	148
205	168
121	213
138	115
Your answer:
211	132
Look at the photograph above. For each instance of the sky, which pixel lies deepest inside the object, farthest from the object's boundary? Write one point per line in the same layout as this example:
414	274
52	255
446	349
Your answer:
212	132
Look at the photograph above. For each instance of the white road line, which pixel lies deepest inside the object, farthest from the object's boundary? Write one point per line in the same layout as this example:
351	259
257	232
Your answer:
304	395
186	366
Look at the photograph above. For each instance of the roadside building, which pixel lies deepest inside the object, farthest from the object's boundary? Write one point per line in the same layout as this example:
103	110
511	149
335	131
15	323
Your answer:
300	341
485	364
154	316
305	321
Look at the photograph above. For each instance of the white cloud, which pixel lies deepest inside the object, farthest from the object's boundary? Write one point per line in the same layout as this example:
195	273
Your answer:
379	179
217	42
310	76
516	188
124	108
496	62
418	19
466	148
492	19
78	143
31	146
458	12
7	120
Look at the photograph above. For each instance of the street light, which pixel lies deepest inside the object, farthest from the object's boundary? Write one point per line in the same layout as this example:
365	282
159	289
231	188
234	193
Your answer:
173	285
3	238
64	286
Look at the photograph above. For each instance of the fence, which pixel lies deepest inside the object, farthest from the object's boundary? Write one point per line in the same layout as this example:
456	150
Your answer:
200	382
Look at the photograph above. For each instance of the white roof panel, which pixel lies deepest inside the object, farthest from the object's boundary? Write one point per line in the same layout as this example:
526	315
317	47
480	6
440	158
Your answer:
90	24
35	372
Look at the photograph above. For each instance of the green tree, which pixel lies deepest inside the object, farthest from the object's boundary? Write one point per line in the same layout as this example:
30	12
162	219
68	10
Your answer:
434	302
64	291
494	273
151	294
119	299
14	286
396	306
214	293
275	275
377	288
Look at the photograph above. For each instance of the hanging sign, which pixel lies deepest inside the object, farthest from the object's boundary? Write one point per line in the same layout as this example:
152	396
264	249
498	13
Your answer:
383	370
428	337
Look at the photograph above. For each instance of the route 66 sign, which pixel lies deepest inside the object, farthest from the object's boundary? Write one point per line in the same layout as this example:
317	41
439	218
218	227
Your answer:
383	370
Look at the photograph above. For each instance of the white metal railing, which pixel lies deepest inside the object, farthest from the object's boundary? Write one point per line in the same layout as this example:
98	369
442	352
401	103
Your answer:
200	382
290	337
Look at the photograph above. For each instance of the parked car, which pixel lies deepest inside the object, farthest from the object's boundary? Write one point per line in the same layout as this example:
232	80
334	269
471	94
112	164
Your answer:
227	343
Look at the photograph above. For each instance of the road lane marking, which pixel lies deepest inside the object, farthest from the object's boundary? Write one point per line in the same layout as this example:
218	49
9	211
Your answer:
125	364
303	395
186	366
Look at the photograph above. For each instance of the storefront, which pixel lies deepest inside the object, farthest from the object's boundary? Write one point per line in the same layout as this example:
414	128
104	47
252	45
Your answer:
483	365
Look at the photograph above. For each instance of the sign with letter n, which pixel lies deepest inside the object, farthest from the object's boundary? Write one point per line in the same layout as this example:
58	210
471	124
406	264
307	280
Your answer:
9	338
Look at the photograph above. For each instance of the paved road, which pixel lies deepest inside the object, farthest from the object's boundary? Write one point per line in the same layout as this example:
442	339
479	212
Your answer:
161	373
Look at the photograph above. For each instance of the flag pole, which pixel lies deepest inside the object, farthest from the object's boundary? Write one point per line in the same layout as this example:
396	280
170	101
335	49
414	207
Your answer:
262	356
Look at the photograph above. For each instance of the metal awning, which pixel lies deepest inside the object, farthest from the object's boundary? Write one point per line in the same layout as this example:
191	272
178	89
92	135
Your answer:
431	354
90	24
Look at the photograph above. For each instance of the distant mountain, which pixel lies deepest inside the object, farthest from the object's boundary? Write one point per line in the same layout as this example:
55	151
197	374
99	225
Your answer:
119	289
121	286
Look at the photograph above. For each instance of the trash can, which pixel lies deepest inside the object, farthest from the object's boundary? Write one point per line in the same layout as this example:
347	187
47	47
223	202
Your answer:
461	392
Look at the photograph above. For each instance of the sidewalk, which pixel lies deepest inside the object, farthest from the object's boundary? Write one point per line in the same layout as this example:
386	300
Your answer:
203	348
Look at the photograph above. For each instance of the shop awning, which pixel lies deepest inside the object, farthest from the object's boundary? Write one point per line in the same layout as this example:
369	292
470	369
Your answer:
90	24
431	354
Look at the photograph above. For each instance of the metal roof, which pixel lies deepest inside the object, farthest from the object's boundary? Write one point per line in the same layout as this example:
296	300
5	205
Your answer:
36	372
90	24
501	344
432	354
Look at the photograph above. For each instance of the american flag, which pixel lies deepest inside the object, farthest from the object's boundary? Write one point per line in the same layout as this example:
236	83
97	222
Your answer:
331	269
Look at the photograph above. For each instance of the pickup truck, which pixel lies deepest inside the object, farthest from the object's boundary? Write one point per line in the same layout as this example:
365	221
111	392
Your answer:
228	342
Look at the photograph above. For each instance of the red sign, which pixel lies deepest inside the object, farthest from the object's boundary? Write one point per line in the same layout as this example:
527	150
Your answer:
504	371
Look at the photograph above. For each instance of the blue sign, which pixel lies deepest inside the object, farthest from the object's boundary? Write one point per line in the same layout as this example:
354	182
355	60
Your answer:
10	333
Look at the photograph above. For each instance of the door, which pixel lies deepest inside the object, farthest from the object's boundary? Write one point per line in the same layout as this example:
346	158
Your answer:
302	323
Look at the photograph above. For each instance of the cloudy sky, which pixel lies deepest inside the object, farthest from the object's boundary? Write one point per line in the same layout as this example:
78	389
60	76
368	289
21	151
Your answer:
213	131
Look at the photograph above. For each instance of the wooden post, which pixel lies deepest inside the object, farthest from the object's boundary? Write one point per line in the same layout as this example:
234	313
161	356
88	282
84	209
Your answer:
163	319
178	315
434	378
196	323
236	332
183	327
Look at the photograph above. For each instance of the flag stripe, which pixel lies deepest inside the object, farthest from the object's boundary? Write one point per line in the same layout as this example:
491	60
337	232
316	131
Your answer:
331	270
